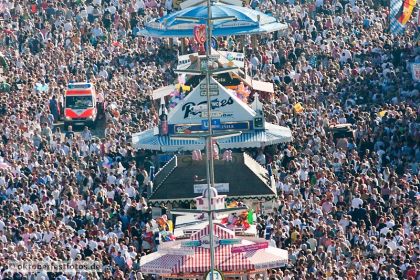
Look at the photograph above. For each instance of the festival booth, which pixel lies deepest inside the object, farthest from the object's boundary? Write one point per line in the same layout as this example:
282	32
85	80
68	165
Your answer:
237	175
241	222
234	108
235	256
187	115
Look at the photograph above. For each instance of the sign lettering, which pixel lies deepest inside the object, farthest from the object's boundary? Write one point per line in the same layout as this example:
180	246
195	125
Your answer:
189	107
198	128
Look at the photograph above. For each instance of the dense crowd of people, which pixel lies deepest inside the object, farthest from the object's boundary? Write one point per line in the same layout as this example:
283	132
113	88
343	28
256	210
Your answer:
347	206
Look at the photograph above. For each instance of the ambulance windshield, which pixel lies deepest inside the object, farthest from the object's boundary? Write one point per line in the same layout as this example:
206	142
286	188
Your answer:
79	102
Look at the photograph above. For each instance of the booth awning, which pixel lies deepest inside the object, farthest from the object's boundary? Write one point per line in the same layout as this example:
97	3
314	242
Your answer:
263	86
163	91
259	85
272	134
247	21
226	260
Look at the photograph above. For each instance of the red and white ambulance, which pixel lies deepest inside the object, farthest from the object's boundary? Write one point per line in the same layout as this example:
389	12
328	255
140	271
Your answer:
80	105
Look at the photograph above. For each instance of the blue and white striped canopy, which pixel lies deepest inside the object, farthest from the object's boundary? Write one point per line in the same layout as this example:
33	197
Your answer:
273	134
247	21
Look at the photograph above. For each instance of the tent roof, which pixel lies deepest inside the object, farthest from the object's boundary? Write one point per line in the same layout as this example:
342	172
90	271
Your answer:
246	179
273	134
248	21
173	258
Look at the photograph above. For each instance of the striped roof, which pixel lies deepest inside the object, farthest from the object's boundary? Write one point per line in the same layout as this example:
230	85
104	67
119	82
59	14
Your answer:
225	260
273	134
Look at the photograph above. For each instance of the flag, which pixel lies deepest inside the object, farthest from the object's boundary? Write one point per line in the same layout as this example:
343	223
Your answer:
400	13
405	11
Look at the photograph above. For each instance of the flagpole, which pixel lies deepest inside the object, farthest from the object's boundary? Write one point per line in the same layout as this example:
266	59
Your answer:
209	142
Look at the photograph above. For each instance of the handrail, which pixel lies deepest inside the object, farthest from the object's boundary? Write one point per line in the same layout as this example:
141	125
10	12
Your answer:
250	157
166	170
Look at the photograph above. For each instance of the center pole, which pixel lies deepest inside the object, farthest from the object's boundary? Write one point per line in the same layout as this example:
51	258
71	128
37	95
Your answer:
209	142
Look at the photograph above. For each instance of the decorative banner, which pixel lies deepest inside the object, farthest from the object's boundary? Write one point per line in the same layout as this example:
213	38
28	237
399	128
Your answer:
252	247
415	68
200	37
200	33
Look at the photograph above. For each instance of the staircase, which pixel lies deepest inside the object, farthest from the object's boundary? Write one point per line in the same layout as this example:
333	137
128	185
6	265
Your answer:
257	168
165	171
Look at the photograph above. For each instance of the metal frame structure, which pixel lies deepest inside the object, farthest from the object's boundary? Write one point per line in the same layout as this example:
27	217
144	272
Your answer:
210	135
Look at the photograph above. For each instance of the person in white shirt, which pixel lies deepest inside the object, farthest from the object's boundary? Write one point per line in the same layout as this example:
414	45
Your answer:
169	6
111	9
104	74
68	27
110	193
93	244
74	252
139	5
303	174
131	191
47	236
3	237
111	179
356	202
390	223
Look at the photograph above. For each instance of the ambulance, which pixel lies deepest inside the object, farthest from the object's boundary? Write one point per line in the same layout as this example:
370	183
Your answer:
80	105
